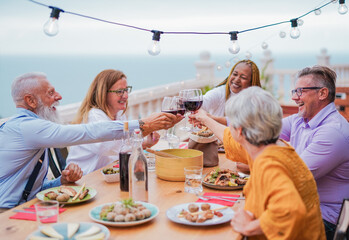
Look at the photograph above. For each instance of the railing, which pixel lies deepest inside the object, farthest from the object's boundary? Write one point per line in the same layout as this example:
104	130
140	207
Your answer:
146	101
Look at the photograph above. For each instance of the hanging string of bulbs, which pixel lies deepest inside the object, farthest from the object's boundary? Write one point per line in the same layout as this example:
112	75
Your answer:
51	27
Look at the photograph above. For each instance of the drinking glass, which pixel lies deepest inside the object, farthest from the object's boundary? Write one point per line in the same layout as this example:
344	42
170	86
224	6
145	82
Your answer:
169	105
182	110
192	102
46	212
193	179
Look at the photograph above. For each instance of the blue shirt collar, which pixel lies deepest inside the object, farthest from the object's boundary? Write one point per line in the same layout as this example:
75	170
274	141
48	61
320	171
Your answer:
26	112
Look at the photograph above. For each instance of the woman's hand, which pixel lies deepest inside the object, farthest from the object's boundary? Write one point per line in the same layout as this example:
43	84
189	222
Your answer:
245	223
151	140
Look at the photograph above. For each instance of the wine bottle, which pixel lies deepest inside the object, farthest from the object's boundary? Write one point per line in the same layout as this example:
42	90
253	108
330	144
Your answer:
138	170
124	156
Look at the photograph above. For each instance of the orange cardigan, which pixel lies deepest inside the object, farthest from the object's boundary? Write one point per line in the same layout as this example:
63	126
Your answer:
281	192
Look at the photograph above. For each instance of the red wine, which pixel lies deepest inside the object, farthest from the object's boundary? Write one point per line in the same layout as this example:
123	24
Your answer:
192	105
174	112
123	160
181	111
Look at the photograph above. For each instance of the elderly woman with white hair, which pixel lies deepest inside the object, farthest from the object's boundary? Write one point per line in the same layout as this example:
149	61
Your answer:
281	195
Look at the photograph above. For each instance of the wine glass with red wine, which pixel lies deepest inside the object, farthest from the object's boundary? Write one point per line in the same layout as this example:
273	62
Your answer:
193	102
182	110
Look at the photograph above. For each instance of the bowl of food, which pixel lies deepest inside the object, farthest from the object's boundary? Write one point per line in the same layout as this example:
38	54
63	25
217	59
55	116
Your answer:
172	168
111	174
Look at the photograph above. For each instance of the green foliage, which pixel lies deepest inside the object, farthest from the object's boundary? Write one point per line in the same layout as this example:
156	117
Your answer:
205	89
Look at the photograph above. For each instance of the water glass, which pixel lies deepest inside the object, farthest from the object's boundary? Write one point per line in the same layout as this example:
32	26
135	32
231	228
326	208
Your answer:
193	179
46	212
150	161
173	141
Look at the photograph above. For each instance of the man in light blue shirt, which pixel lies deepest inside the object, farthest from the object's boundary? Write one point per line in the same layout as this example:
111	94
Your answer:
24	137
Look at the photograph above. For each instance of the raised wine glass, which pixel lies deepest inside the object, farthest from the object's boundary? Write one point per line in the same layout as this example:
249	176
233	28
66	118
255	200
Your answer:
182	110
169	105
193	102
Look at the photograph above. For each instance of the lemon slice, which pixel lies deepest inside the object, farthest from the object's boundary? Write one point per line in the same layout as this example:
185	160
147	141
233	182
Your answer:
92	231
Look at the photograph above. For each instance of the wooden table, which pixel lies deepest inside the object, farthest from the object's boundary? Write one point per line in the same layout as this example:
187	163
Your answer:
163	194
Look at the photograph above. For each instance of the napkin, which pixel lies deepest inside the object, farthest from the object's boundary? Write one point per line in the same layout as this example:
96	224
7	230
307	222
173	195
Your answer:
218	201
32	216
183	145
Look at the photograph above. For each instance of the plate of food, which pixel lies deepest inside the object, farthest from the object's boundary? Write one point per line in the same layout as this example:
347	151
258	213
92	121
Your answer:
67	194
205	135
124	213
83	230
200	214
225	179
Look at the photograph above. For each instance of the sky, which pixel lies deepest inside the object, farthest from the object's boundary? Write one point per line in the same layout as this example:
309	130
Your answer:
21	24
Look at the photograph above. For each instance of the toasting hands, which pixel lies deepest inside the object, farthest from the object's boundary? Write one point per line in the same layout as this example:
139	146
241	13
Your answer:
158	121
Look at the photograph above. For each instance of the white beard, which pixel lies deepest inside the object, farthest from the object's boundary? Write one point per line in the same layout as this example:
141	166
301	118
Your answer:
48	113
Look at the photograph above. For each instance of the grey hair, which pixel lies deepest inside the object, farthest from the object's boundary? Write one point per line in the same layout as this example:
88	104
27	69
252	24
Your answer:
323	76
25	84
258	113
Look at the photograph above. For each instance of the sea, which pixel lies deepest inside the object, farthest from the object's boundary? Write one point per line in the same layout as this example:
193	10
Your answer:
71	75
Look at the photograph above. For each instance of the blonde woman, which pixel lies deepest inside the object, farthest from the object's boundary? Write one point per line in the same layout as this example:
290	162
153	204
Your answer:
106	100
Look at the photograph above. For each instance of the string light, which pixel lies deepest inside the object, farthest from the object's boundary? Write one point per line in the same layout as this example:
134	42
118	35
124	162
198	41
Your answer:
317	11
264	45
235	47
295	33
51	27
154	48
342	9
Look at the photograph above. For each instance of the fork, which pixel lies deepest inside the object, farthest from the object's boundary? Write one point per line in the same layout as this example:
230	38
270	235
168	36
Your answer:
218	198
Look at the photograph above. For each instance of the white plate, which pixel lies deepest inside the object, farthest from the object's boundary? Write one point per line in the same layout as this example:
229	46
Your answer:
62	229
94	215
200	139
173	213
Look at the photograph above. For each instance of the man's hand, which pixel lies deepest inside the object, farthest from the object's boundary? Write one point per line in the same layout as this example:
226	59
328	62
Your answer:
71	173
158	121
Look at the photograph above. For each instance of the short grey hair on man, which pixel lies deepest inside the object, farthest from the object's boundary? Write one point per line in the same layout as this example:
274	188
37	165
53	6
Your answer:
25	84
258	113
323	77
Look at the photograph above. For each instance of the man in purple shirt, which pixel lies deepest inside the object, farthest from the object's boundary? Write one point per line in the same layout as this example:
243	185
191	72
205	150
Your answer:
320	135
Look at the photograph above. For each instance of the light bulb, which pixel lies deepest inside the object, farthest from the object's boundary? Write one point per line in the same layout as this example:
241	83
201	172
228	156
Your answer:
154	47
219	67
295	33
234	47
282	34
342	9
51	27
227	64
317	11
248	55
264	45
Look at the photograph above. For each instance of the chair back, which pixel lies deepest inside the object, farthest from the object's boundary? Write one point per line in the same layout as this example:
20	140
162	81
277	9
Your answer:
57	160
342	230
342	101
